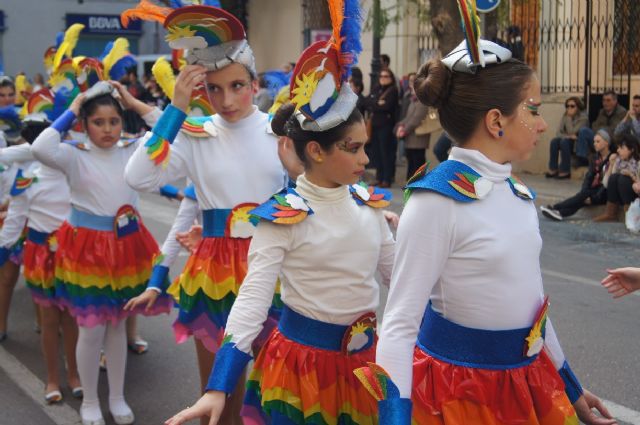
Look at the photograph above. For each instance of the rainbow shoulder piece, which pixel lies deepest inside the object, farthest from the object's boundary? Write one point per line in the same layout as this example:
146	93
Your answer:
452	179
371	196
22	183
520	189
78	145
199	127
285	207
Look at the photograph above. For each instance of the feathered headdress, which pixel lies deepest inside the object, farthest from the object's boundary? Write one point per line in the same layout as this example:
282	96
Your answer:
473	52
211	36
116	59
23	89
40	107
10	122
63	82
89	72
69	42
319	86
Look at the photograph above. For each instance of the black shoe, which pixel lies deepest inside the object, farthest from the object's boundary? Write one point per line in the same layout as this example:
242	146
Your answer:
550	174
563	177
551	213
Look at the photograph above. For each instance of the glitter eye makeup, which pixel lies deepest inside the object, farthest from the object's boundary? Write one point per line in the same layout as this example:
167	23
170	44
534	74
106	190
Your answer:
343	145
531	106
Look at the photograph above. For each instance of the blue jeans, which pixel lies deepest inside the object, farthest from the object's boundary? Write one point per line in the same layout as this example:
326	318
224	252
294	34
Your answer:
564	148
584	142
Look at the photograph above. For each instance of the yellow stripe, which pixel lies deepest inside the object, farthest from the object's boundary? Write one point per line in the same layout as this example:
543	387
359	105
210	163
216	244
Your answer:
213	290
87	281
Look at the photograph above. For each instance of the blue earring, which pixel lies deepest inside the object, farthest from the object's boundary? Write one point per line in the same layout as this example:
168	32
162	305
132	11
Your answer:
500	133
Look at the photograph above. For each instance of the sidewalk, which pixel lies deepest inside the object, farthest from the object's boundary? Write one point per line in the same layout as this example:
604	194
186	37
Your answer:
579	227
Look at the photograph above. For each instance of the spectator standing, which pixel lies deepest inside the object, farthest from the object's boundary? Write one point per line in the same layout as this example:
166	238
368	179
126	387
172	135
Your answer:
415	145
608	118
383	103
263	99
133	124
631	121
620	177
593	191
573	120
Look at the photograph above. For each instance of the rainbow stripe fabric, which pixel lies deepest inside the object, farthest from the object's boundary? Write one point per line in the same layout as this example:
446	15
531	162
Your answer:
448	394
207	289
39	273
297	384
97	273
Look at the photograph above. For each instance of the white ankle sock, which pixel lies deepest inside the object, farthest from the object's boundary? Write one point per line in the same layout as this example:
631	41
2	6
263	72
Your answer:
119	407
90	410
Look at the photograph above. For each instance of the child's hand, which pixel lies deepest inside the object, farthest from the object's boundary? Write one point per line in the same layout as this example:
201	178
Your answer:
392	218
76	104
210	404
147	298
186	82
190	240
126	98
623	281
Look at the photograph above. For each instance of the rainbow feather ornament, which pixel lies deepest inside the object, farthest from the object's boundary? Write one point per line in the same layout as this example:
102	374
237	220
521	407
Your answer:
49	55
377	382
40	102
158	150
471	27
23	89
117	59
145	10
163	73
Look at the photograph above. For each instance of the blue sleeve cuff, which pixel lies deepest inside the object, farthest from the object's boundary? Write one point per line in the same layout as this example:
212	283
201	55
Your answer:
159	278
169	191
169	123
228	368
571	384
190	192
396	411
4	255
64	122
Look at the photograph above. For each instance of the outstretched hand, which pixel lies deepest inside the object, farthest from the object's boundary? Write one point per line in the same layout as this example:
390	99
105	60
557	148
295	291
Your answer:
210	404
584	409
622	281
147	298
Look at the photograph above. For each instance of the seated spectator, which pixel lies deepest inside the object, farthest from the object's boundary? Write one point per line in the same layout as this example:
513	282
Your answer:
608	118
593	191
573	120
620	177
631	122
415	145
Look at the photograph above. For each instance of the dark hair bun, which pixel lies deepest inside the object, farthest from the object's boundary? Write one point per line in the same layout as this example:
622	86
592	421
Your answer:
279	121
432	83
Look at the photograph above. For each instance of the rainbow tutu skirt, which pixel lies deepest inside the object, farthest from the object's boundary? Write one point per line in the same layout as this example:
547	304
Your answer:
39	267
470	376
304	375
100	266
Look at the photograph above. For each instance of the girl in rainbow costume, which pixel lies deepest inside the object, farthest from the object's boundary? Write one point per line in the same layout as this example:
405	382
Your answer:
325	239
465	337
40	200
105	253
230	157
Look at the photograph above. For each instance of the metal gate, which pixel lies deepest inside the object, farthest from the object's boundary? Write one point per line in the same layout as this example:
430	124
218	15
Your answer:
581	46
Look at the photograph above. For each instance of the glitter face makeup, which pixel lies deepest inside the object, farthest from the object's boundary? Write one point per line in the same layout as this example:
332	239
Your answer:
533	108
347	145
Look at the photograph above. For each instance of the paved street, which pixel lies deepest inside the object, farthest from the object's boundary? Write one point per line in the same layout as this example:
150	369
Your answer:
600	336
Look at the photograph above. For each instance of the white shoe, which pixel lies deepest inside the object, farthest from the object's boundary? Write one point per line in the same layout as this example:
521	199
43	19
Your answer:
127	419
90	414
551	213
93	422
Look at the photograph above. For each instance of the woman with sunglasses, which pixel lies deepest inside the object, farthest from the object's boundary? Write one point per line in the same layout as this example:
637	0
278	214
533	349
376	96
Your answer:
573	120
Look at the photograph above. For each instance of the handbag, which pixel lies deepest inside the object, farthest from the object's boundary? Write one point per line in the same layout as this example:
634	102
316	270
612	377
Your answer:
429	124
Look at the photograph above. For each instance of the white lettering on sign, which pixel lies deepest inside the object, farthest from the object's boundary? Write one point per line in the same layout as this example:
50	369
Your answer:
104	23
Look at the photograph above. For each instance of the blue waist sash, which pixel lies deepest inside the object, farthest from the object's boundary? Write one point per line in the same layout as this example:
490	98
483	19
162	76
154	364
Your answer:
96	222
214	222
471	347
311	332
37	237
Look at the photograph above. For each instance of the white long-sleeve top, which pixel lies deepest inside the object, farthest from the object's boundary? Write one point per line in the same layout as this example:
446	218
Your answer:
326	264
478	263
44	206
12	158
240	164
16	153
95	176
